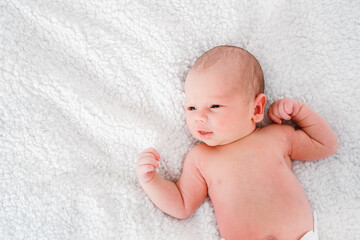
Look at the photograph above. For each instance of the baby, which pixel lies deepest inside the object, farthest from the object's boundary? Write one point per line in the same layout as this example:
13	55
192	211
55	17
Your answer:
245	170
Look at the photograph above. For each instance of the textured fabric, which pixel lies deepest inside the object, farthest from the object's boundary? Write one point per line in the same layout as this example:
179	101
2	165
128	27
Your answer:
85	86
312	235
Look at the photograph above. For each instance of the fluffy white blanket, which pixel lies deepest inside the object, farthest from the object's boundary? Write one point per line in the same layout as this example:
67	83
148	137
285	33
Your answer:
86	85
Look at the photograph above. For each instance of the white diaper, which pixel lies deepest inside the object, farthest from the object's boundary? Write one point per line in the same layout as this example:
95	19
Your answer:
312	235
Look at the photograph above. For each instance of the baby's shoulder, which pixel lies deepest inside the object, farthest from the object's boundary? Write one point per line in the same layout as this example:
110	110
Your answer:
278	130
199	150
195	157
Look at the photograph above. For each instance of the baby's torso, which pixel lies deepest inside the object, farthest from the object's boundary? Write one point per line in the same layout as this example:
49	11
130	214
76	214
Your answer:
253	190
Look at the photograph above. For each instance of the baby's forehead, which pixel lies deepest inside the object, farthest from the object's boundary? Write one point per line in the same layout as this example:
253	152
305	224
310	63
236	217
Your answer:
214	90
218	74
208	99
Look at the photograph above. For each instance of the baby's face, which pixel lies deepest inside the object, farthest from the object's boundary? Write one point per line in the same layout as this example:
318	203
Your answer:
217	110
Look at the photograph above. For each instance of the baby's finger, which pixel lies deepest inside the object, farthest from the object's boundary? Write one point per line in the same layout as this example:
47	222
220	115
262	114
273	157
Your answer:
275	110
146	155
272	108
282	112
273	117
145	169
147	161
288	107
154	152
295	108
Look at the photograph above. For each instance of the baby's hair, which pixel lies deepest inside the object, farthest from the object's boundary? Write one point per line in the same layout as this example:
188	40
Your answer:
246	62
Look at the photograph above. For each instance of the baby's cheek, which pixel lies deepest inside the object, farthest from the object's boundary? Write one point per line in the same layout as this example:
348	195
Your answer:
188	121
223	122
228	124
190	127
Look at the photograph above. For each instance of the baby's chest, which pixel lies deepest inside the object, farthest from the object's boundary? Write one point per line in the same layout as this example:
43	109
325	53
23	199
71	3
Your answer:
246	167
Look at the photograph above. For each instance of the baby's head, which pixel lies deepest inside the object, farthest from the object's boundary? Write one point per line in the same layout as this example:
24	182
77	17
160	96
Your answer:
224	95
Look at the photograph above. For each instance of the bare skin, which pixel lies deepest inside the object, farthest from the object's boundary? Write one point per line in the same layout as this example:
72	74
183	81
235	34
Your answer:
245	170
254	192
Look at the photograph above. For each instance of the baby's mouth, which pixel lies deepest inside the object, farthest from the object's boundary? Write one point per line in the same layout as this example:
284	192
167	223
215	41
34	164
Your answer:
205	134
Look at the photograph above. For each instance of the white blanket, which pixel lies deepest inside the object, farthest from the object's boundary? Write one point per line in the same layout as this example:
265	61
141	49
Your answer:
87	85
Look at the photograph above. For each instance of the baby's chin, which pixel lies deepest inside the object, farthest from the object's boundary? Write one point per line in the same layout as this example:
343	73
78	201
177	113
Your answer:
211	144
218	142
208	142
215	139
214	143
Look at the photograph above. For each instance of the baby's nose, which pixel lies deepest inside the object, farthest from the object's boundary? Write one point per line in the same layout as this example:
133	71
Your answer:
200	121
201	118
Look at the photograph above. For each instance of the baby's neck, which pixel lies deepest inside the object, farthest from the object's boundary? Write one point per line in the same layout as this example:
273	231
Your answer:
241	138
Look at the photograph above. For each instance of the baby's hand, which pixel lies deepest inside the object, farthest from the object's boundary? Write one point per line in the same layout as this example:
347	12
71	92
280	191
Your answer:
146	165
285	108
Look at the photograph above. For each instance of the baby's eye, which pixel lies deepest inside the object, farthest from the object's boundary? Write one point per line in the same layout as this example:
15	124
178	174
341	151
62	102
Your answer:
191	108
215	106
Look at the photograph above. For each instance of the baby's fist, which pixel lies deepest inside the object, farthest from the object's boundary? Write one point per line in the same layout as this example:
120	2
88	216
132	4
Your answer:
285	108
146	165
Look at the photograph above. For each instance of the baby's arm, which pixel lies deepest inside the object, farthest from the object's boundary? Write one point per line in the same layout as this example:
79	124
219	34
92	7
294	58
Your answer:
179	199
314	140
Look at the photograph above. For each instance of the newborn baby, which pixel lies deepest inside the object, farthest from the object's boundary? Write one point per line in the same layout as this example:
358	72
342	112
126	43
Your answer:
245	170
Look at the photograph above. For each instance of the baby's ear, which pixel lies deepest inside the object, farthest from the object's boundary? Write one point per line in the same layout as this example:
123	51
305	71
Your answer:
259	106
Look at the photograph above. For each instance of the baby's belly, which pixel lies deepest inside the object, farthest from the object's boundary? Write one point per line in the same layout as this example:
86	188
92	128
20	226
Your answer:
261	206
